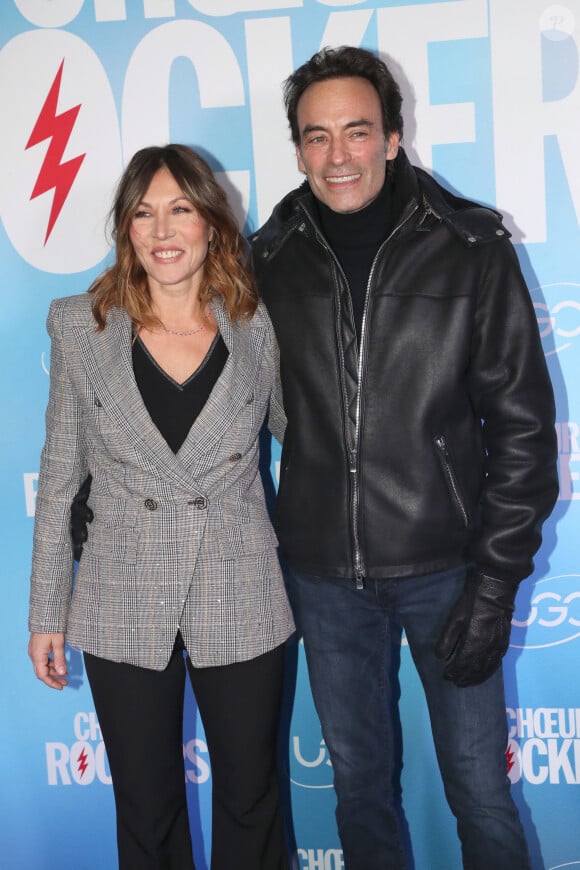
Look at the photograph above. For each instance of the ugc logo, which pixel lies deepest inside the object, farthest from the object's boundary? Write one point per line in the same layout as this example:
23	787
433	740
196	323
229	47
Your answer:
554	614
558	315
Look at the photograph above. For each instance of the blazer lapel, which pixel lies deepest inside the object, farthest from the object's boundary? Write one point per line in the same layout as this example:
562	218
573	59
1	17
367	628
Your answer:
108	360
109	365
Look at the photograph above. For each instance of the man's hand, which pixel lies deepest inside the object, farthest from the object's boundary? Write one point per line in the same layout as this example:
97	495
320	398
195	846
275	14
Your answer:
80	516
46	652
477	633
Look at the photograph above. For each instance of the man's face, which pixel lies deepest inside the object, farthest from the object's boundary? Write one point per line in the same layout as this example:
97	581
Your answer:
343	149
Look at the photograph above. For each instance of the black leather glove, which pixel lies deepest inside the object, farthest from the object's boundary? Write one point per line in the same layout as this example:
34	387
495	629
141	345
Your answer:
80	516
477	633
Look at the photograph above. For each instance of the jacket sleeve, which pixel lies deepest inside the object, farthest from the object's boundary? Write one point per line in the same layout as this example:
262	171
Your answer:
62	470
276	416
512	395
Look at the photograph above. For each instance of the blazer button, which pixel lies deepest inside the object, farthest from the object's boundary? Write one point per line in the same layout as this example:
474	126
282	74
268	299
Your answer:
200	503
150	504
250	399
235	456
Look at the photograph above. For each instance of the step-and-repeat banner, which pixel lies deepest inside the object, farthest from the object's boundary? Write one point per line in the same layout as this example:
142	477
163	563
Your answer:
492	107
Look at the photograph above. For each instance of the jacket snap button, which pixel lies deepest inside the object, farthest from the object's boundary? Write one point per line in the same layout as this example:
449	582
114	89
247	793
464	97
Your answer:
200	503
471	239
150	504
235	456
499	232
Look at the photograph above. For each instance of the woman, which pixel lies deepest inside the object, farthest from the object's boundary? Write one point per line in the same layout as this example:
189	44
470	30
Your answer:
160	381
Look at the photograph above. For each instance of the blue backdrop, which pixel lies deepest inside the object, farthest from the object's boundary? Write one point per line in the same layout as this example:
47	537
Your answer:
492	107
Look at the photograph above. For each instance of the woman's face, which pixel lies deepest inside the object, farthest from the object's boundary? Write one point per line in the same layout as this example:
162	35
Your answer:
169	237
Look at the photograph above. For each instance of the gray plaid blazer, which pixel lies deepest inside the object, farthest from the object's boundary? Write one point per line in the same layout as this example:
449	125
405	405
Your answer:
178	541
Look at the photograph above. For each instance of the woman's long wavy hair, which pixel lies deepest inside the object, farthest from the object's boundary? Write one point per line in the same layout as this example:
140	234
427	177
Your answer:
226	269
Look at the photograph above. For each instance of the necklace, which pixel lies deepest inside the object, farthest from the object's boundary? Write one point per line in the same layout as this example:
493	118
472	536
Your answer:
179	332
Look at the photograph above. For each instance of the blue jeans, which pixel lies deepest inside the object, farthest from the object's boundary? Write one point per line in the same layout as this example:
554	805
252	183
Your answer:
348	637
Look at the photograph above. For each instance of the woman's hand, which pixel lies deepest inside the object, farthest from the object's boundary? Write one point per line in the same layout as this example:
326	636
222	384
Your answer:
46	652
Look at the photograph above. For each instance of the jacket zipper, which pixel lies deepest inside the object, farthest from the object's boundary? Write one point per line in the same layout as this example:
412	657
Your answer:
428	209
441	444
353	452
359	566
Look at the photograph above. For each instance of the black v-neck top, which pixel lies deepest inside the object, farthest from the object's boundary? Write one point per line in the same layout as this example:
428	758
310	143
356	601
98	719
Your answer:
174	407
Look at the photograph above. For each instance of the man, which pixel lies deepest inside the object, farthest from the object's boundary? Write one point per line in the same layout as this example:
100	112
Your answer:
419	457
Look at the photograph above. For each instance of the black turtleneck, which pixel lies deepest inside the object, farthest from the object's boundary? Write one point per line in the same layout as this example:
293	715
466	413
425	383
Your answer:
355	238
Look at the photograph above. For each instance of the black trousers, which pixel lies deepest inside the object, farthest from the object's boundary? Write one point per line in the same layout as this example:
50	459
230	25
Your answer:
140	713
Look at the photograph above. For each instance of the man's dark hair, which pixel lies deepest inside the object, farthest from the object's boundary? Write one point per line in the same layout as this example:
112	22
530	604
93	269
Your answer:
345	62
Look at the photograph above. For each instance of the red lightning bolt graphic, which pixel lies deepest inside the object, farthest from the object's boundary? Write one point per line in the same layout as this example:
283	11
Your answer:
509	757
54	174
82	762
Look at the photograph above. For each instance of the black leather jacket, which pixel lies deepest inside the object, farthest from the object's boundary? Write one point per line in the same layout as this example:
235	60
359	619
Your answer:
433	442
